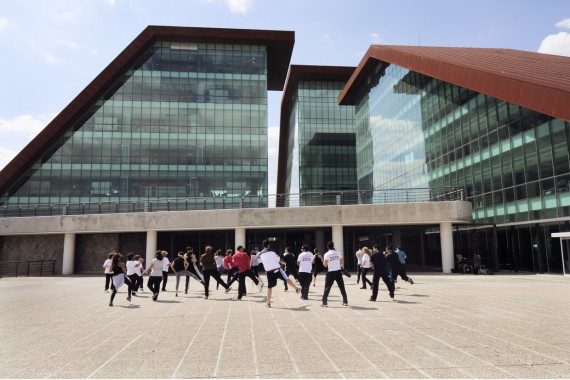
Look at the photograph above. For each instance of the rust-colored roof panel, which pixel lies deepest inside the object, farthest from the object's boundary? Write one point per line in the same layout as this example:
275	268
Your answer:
279	45
507	74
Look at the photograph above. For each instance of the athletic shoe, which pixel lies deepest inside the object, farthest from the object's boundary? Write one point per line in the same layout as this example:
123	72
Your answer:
154	296
268	305
372	299
323	305
362	287
259	287
110	303
134	293
129	299
176	295
262	285
186	291
411	281
205	297
228	290
297	290
107	291
392	295
344	304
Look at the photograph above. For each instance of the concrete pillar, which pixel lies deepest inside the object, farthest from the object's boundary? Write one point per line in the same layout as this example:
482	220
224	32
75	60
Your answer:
68	254
446	238
239	237
151	244
320	240
338	238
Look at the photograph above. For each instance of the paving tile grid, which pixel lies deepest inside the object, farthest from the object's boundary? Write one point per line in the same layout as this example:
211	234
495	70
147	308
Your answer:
443	326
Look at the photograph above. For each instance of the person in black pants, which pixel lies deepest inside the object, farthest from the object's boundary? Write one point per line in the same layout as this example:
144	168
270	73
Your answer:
209	269
290	265
333	260
396	265
381	271
365	265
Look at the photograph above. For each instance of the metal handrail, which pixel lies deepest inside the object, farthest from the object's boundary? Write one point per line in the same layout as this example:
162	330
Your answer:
352	197
27	268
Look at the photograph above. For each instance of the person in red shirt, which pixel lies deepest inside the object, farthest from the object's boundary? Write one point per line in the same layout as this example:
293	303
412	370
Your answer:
243	261
230	267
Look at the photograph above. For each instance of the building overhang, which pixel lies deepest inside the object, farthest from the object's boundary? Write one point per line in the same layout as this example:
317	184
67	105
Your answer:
540	82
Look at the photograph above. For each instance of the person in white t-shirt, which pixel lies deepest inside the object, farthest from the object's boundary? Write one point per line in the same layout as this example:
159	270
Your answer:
333	260
165	268
365	265
359	255
272	265
305	261
108	272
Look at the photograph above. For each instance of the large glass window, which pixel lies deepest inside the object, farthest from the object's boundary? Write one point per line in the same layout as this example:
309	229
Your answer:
189	120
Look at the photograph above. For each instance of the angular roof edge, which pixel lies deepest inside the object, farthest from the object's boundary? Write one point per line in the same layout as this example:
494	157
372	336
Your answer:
279	51
298	73
537	81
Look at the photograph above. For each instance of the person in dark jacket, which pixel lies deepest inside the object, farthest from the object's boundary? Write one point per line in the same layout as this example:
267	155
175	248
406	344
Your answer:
381	271
396	266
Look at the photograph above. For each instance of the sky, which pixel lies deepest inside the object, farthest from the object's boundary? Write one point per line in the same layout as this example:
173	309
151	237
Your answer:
52	49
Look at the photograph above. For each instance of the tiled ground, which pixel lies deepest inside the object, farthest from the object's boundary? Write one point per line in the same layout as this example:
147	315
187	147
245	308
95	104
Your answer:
443	326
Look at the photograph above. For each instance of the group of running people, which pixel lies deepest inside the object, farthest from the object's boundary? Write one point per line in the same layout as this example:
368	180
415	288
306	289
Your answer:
241	265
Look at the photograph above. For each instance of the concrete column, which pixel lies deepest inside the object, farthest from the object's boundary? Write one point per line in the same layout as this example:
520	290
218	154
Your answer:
151	244
320	240
338	238
68	254
446	238
239	237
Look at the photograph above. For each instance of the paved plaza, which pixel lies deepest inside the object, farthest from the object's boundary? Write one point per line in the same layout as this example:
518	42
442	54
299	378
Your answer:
443	326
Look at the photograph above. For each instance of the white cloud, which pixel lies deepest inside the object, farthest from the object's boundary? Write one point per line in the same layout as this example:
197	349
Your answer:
375	38
240	6
50	58
15	134
24	124
563	24
558	44
3	23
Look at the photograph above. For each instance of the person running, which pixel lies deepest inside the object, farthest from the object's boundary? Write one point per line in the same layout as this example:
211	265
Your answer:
155	270
118	269
165	268
291	265
333	260
255	262
108	272
132	266
396	266
192	267
139	282
381	271
272	265
243	262
231	267
208	263
180	268
318	265
305	261
402	272
365	265
359	255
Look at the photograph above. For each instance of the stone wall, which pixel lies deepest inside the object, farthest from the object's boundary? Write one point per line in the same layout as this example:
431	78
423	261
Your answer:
32	247
91	251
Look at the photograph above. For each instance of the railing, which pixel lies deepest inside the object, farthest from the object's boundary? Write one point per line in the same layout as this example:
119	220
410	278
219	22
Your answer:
27	268
240	201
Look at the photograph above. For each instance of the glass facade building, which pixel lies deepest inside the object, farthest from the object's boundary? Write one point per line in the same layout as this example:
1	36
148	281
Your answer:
186	120
320	134
414	130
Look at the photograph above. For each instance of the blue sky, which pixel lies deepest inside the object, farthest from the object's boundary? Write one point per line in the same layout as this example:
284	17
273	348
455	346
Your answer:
51	49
